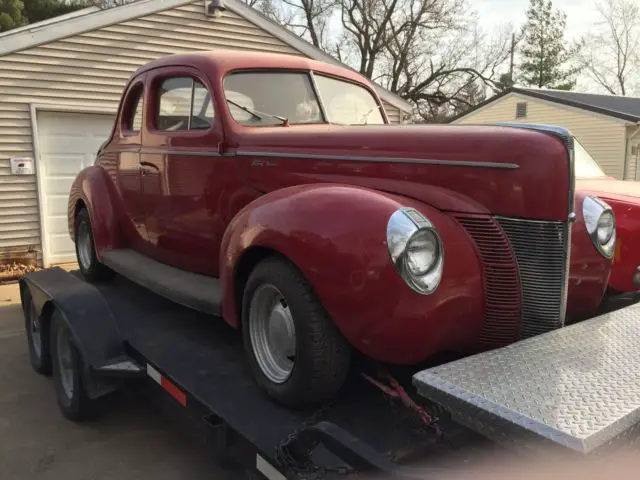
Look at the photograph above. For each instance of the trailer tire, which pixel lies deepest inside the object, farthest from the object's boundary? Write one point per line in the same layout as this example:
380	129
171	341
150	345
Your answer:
92	270
68	374
322	355
37	337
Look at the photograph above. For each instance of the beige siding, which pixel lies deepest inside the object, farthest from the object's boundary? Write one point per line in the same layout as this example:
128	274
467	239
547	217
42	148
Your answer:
604	137
89	71
395	114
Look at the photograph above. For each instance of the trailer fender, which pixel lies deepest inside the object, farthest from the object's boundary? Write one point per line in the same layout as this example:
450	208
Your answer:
91	323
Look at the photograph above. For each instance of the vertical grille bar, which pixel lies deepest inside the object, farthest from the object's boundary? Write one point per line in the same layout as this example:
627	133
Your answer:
500	278
542	251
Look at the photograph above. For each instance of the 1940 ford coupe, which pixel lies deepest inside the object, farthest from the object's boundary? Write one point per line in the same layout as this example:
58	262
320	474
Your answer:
271	190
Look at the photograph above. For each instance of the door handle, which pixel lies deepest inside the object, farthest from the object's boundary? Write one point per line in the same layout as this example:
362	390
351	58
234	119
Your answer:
142	167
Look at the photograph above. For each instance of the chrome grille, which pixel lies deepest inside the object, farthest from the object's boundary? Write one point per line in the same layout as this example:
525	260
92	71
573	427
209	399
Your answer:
500	278
542	252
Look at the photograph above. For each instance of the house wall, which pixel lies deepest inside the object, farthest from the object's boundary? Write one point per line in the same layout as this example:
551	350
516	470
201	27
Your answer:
89	71
604	137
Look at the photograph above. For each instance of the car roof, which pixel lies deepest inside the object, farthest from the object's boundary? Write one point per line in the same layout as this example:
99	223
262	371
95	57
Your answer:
220	62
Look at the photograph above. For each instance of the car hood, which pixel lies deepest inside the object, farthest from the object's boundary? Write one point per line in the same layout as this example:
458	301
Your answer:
609	188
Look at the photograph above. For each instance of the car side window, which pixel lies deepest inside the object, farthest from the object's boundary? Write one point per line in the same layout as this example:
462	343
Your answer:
133	119
183	104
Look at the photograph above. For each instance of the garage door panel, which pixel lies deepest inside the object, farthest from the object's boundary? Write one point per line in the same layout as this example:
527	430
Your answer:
59	185
67	142
64	165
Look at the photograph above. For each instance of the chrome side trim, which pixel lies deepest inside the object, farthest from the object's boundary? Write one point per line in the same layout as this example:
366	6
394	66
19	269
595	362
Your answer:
355	158
161	151
310	156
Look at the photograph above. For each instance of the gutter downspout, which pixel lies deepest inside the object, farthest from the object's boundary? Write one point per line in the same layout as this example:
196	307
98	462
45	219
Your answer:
628	152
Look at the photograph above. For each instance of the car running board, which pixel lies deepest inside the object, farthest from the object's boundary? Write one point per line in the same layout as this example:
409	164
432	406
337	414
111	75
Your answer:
191	290
577	387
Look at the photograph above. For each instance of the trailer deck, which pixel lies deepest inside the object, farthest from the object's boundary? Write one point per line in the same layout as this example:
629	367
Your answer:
200	362
577	387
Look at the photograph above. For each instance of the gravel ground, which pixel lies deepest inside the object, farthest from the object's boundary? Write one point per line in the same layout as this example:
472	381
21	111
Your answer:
36	442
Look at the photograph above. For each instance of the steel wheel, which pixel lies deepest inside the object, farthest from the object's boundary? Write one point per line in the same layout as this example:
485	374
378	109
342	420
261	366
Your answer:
35	330
65	361
272	333
85	245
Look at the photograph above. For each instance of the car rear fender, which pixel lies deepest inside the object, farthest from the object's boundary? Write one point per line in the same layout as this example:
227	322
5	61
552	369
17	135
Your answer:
93	189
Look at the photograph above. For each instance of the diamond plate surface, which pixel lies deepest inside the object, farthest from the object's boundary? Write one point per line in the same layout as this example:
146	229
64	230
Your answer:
578	386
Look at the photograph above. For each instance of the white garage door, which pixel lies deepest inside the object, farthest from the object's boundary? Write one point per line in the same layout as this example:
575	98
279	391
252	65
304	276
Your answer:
67	143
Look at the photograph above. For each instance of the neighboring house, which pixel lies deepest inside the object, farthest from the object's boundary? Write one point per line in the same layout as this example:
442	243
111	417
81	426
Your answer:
607	125
60	83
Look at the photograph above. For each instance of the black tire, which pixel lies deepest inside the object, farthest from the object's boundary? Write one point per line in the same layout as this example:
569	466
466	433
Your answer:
323	355
37	337
93	270
74	405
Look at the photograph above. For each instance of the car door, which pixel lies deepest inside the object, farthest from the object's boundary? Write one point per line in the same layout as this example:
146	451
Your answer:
126	153
180	165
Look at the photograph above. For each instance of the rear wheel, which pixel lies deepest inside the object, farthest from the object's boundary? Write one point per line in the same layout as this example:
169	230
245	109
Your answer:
37	338
68	371
91	269
296	353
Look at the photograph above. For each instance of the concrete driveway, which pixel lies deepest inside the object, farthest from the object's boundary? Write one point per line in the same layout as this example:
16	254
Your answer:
36	442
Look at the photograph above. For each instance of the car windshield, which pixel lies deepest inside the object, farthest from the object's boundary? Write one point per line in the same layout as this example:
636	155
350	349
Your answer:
269	98
586	166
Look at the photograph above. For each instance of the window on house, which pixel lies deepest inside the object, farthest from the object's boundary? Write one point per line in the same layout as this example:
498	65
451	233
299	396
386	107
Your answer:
133	121
521	110
184	104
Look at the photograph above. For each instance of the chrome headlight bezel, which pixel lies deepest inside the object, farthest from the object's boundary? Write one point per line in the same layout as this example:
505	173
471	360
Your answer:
405	225
594	210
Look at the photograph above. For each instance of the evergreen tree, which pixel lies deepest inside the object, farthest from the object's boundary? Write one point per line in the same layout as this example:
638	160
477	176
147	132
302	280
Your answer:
11	14
38	10
545	54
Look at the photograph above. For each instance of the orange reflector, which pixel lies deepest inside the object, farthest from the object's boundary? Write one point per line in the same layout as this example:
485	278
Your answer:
170	388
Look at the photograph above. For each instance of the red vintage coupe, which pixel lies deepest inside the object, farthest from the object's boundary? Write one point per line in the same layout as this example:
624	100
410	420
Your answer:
624	198
271	190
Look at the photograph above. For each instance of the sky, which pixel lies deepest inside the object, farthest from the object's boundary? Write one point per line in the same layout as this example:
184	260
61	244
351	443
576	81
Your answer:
580	13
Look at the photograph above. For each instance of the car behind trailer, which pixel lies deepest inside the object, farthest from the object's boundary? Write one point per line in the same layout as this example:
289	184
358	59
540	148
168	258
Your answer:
575	388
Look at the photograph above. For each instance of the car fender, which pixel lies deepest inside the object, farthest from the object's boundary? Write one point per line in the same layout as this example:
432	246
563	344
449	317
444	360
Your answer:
93	188
336	236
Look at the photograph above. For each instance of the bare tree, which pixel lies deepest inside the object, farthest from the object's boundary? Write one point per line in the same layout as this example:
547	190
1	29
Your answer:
431	52
611	55
307	18
104	4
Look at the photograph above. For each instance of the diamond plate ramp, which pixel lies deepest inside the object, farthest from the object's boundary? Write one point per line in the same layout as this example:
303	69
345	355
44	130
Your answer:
578	387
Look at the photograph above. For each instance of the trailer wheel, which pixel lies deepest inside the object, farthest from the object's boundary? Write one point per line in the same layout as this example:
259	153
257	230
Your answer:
68	370
91	269
296	353
37	337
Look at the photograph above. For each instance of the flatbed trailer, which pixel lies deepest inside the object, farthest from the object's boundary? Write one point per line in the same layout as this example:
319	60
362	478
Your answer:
193	367
577	388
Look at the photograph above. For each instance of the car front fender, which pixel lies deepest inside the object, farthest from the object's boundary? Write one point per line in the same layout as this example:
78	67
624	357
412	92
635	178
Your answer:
93	189
336	236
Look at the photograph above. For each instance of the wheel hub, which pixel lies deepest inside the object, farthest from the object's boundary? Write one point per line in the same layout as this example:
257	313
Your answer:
65	362
84	245
272	333
35	331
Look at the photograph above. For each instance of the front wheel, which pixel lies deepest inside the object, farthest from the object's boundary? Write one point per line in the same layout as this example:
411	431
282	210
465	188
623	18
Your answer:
91	269
296	353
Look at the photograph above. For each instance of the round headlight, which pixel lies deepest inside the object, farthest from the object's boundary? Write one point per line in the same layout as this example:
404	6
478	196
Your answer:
415	249
601	224
422	251
606	226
